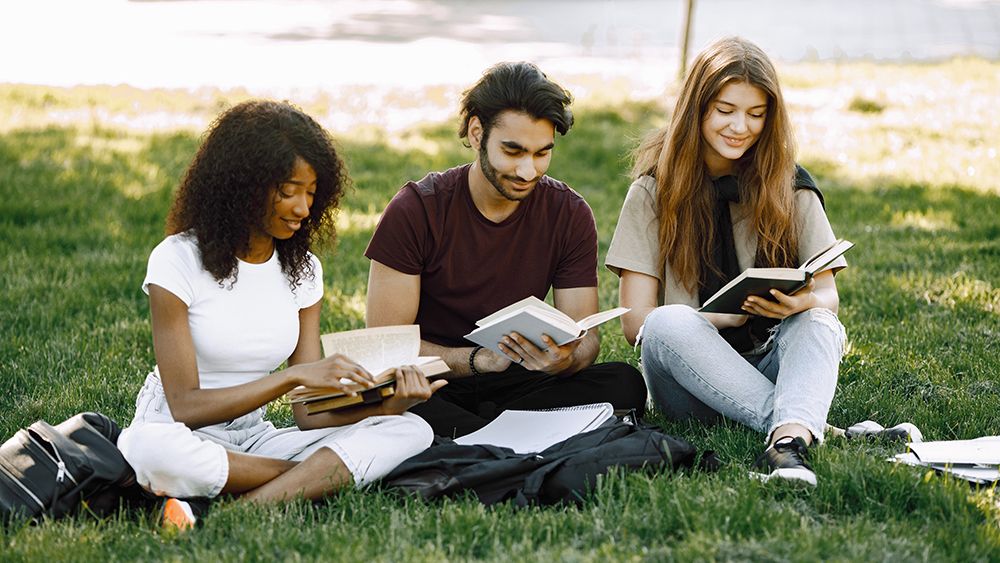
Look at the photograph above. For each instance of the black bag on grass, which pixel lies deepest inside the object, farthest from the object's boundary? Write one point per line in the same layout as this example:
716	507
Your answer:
50	470
562	474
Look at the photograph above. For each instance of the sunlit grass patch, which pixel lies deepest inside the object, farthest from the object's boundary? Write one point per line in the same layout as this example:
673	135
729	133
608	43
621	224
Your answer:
933	128
864	105
951	291
350	221
928	220
348	309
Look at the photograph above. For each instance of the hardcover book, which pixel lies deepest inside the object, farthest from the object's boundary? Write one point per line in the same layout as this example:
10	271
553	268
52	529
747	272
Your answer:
760	281
531	318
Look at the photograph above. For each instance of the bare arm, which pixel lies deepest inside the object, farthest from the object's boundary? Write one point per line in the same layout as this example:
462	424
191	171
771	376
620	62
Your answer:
393	299
637	292
197	407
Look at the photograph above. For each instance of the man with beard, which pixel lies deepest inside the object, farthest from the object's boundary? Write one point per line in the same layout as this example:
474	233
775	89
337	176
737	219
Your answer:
460	244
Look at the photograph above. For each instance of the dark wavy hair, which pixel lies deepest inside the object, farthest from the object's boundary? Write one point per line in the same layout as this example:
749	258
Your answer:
246	153
515	86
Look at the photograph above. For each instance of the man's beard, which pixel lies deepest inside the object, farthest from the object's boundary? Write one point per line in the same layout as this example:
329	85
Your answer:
493	178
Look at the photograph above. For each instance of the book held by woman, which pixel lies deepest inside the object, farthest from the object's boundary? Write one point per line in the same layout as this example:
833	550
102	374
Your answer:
760	281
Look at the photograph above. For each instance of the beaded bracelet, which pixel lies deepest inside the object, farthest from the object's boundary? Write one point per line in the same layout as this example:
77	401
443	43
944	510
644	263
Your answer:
472	361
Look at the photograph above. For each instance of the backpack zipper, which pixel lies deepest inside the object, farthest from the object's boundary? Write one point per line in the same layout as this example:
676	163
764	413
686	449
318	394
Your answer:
61	472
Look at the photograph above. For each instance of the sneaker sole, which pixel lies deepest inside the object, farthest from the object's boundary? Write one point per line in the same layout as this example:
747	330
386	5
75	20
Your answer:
791	475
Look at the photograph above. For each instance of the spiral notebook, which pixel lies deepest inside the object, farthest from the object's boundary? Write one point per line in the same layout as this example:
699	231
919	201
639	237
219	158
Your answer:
534	431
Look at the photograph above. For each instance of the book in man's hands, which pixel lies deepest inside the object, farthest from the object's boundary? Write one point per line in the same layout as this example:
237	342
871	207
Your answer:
760	281
380	351
531	318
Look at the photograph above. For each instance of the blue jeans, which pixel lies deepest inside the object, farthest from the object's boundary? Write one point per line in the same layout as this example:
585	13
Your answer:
692	372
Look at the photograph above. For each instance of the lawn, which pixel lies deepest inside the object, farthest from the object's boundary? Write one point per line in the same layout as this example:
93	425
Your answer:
905	155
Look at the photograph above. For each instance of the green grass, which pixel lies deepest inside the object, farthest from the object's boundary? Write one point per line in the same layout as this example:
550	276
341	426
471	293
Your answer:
82	202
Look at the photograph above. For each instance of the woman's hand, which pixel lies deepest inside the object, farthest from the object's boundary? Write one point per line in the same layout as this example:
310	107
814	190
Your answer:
786	305
328	372
411	388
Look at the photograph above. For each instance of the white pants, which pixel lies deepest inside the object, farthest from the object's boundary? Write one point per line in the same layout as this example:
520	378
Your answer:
170	459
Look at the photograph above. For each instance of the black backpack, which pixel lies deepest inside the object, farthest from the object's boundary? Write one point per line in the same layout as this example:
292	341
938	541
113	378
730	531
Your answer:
50	470
561	474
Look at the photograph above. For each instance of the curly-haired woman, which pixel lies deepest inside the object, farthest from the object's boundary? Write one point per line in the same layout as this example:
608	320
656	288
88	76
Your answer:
234	292
718	191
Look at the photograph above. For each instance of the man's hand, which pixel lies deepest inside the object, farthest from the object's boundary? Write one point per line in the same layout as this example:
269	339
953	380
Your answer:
411	388
786	306
488	361
552	360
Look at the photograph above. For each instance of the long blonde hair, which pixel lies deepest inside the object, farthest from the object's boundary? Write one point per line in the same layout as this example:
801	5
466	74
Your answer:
675	156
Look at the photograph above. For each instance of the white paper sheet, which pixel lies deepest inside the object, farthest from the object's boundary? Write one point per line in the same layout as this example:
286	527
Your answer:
534	431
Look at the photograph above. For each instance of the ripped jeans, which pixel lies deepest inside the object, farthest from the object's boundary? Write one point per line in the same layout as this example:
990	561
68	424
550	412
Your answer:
692	372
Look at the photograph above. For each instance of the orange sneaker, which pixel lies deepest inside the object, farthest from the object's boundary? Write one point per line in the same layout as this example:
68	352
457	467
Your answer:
178	515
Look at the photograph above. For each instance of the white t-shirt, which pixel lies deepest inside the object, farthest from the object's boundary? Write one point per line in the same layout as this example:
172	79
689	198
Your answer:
635	245
241	333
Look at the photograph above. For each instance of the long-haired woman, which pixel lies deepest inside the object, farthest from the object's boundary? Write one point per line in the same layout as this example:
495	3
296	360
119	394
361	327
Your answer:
715	192
235	292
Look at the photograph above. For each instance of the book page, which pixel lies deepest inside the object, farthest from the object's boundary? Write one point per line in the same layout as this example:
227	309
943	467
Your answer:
527	302
984	451
824	257
602	317
535	431
975	473
376	349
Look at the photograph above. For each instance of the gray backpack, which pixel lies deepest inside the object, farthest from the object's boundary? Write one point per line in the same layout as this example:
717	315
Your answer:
52	470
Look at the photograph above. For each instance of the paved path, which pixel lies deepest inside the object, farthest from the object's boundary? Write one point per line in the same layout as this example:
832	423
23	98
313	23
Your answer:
267	45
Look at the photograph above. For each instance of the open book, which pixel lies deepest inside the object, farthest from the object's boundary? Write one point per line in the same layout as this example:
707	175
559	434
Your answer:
379	350
975	460
531	318
534	431
759	281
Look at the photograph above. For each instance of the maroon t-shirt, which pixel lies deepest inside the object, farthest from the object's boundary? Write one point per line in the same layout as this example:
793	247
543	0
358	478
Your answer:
470	266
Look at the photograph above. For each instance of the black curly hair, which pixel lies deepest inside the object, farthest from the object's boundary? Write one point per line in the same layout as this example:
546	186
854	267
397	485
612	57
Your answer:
246	153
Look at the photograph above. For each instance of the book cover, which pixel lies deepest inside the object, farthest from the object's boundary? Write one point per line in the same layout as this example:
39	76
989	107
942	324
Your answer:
760	281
